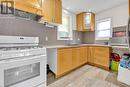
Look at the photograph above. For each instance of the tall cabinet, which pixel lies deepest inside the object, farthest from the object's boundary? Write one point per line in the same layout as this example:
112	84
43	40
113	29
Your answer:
85	21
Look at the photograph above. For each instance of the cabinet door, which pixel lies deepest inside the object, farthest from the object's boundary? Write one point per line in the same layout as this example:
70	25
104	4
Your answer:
48	12
64	60
83	55
102	56
92	26
90	55
79	22
76	57
58	12
32	6
52	11
89	21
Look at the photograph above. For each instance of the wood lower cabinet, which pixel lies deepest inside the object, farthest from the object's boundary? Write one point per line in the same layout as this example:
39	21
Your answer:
101	56
79	56
70	58
76	57
83	55
64	60
90	55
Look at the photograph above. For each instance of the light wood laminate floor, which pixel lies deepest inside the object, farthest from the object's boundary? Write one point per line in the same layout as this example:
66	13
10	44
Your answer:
86	76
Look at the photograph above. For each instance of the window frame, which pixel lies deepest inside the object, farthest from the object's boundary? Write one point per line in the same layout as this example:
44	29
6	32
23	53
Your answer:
96	31
70	37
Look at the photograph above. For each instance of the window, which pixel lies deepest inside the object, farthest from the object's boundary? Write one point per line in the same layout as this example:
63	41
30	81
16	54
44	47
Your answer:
103	29
7	7
65	30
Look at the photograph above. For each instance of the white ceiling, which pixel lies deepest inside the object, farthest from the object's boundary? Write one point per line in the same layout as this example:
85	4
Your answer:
96	6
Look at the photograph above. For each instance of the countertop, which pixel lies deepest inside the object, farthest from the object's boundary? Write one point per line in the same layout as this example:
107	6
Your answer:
69	46
80	45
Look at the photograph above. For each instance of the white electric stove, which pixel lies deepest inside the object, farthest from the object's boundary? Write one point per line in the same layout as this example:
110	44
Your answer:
22	62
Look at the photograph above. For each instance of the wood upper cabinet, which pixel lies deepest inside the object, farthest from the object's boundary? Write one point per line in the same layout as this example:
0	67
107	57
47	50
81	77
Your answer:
64	60
85	21
102	56
79	22
48	6
58	12
32	6
52	11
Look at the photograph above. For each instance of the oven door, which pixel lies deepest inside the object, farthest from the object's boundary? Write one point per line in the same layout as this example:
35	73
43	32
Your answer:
23	72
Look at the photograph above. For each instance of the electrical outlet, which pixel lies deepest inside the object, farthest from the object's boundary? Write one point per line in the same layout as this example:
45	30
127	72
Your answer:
46	38
78	39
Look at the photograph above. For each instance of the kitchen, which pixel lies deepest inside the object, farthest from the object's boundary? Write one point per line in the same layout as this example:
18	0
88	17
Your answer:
75	40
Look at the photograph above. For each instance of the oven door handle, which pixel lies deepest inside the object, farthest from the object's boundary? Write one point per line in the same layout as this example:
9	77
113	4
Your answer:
22	59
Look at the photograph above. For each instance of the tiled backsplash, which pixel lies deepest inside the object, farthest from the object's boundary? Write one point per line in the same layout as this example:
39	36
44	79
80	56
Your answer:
89	37
22	27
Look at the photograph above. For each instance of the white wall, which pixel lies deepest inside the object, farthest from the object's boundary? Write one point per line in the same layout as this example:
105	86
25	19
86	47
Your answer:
118	14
